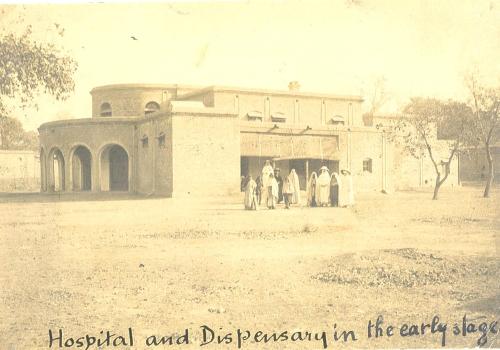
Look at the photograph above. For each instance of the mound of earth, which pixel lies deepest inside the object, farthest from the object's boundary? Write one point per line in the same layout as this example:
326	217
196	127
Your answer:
407	267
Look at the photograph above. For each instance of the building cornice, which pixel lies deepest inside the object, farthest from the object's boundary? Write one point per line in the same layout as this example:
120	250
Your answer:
90	121
268	92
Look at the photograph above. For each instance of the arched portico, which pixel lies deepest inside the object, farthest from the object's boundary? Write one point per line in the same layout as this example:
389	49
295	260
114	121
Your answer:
81	168
114	168
56	174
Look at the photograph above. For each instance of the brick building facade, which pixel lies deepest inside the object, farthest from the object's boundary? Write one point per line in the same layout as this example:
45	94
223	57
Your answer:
178	140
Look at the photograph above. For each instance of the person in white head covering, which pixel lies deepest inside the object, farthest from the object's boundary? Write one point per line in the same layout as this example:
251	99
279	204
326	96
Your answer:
323	187
346	193
272	192
250	194
296	187
311	190
266	171
334	189
288	191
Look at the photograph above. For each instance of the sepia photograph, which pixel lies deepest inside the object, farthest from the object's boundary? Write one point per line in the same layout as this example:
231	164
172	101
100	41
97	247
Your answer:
281	174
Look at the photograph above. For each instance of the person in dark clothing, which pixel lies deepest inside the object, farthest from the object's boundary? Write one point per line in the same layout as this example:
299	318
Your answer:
244	181
279	179
334	190
258	190
312	189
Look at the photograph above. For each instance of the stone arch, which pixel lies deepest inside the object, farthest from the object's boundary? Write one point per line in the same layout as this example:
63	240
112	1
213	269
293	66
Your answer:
56	170
114	168
81	168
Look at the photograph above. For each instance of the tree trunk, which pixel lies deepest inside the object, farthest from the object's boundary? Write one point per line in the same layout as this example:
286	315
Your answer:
436	187
489	180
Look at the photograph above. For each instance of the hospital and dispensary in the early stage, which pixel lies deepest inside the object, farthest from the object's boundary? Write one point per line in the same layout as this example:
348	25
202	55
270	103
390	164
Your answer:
179	140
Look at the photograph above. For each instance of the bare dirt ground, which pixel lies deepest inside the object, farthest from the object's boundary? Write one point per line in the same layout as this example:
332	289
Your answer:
163	265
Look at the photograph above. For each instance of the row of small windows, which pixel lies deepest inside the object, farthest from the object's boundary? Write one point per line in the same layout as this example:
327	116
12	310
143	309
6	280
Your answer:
279	117
160	138
107	111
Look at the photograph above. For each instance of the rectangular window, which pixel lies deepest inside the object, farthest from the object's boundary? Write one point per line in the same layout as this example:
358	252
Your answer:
145	141
161	140
367	165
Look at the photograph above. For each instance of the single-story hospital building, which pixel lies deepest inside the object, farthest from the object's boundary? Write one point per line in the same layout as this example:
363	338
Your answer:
178	140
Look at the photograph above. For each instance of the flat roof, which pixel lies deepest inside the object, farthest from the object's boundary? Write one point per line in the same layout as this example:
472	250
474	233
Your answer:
200	90
292	93
139	86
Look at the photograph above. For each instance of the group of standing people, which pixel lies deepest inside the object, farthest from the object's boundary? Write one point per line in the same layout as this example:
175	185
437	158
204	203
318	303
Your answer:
270	188
334	190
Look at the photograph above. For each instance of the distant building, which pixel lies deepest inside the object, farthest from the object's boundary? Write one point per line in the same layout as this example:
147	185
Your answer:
474	166
178	140
19	171
411	172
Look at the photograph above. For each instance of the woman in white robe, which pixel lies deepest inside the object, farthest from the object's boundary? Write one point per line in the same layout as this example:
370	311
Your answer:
288	191
323	188
250	194
296	187
273	191
346	193
312	190
266	171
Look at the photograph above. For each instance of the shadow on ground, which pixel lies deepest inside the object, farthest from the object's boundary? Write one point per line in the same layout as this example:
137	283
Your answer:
484	305
37	197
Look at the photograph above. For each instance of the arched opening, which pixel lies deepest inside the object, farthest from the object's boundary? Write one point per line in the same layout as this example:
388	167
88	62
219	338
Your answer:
43	171
114	169
151	107
81	168
56	170
106	110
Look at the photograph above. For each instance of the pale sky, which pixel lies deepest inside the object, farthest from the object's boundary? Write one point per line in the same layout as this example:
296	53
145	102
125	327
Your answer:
422	48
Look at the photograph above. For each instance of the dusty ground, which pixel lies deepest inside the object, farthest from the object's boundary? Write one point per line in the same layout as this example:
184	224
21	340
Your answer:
163	265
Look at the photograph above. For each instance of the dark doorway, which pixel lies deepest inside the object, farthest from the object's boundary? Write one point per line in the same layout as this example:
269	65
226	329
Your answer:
118	169
244	166
305	167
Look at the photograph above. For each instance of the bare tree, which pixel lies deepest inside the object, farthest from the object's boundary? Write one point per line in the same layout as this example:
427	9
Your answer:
376	97
423	119
486	107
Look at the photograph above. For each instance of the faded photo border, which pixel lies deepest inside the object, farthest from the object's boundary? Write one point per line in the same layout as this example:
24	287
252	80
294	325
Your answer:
249	174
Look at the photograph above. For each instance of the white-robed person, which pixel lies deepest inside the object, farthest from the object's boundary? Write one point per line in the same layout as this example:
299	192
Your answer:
346	192
323	187
294	178
312	190
251	194
272	192
266	171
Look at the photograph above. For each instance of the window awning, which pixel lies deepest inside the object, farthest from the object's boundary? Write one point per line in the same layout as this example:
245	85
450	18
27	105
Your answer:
253	115
336	119
278	117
